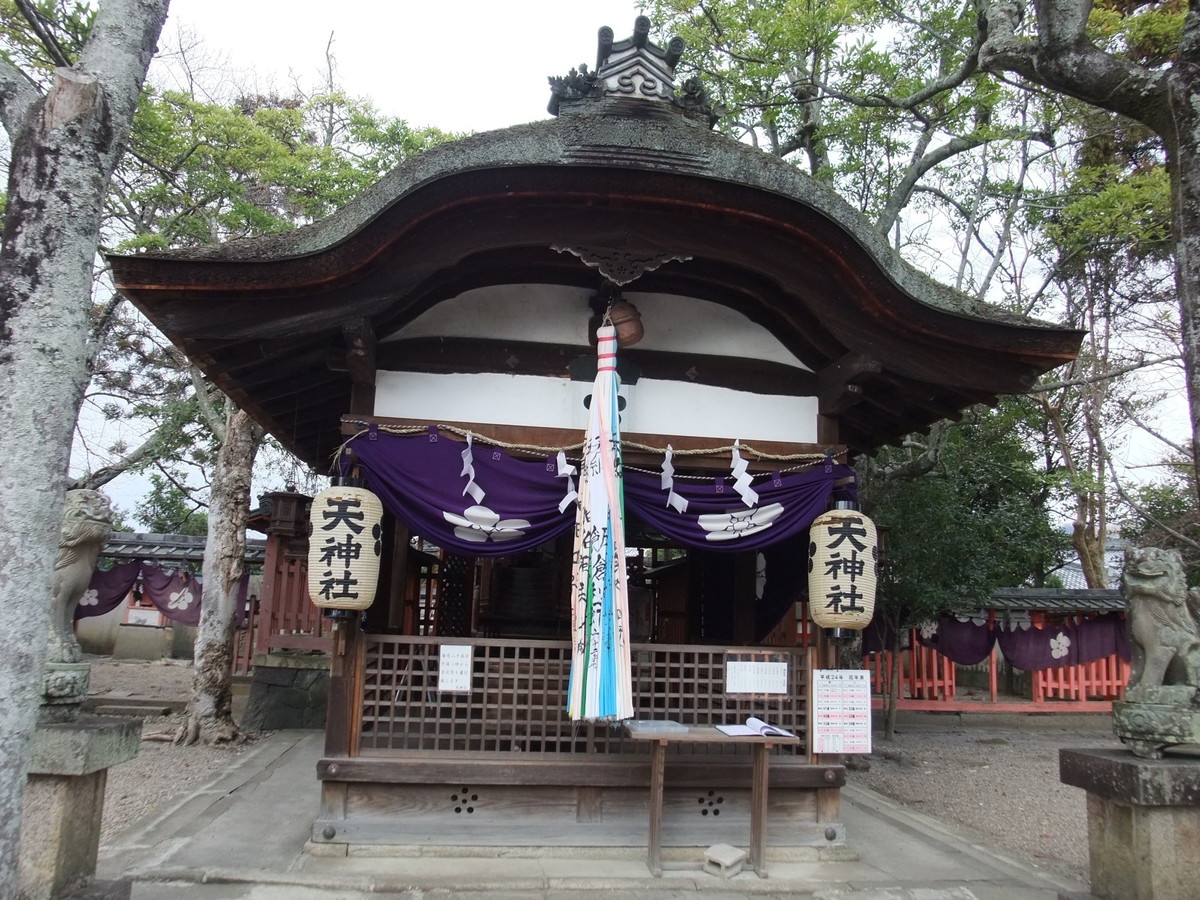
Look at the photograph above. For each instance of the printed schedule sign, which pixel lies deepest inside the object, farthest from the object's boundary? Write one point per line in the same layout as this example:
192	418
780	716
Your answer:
841	711
454	668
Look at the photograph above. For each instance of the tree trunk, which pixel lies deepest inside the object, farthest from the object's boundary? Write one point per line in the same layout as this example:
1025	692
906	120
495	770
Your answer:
893	694
210	714
1063	58
1090	547
65	147
1184	164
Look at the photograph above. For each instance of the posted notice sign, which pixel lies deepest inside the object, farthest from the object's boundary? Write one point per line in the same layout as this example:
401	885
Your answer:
841	711
762	674
454	668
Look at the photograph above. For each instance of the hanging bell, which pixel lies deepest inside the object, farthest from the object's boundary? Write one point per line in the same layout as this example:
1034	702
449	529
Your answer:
628	322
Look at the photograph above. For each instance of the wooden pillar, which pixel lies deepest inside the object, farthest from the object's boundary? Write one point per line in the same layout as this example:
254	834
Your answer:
823	655
343	718
264	616
359	335
393	575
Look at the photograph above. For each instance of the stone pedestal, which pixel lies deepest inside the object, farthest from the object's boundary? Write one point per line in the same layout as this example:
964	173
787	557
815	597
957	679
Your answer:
1143	822
64	688
64	801
288	690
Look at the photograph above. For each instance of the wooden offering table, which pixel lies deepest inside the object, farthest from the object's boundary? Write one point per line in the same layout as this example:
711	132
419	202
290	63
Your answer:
708	734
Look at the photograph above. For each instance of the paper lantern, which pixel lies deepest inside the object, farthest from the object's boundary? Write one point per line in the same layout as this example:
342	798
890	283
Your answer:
843	560
344	548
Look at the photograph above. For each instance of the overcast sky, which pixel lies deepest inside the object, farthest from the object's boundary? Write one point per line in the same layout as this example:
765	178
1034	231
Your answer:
470	65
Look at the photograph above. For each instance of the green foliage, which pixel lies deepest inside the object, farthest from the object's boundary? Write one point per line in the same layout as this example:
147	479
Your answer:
784	71
201	173
169	509
1145	31
122	520
977	520
1167	516
64	24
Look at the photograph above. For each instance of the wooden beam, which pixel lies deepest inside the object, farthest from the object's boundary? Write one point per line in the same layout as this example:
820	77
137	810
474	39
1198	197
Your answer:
555	438
578	769
360	350
841	383
360	364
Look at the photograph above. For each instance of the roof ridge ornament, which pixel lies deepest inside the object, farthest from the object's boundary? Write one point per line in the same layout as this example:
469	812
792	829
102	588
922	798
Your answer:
634	68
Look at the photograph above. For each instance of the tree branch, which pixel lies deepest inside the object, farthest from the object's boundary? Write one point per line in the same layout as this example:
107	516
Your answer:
1141	510
1103	376
102	476
1061	57
119	48
968	67
17	97
48	41
899	198
208	409
1133	417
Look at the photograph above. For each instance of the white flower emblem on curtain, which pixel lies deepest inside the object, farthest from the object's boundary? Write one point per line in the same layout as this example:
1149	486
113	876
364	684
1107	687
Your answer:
480	525
180	599
738	523
91	597
1060	645
928	630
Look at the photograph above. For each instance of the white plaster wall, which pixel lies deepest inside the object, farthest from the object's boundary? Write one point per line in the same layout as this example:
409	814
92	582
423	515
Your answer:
555	314
657	407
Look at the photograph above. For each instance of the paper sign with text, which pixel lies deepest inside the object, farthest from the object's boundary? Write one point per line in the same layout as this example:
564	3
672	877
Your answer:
841	711
454	668
755	676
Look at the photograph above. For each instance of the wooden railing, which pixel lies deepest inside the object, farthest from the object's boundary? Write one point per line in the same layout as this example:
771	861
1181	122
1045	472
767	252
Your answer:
518	697
927	675
287	619
924	673
1104	679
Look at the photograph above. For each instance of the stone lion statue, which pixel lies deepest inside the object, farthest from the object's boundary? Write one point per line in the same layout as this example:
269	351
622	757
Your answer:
1164	628
86	526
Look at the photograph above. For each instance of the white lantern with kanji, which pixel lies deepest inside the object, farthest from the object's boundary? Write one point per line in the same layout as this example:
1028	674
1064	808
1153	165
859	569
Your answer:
843	564
344	547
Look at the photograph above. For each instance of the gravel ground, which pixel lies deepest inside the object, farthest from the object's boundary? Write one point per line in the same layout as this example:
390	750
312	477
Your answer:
161	771
999	783
1001	786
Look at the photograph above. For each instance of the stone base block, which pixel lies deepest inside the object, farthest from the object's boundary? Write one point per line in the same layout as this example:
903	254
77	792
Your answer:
1143	822
724	860
64	801
1149	728
142	642
287	691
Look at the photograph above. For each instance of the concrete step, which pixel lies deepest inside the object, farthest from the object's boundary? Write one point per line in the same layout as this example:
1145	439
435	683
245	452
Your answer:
108	705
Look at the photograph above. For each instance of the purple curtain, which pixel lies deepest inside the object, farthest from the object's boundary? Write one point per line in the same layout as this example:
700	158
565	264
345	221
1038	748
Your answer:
1033	649
878	636
1066	644
1103	636
494	506
718	519
107	590
176	594
966	643
476	500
